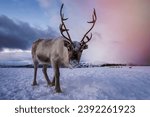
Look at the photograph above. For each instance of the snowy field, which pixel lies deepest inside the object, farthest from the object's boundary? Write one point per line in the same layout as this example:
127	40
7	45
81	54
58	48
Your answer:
101	83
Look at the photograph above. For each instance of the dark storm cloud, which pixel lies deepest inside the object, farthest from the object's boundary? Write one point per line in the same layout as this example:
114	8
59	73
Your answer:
20	35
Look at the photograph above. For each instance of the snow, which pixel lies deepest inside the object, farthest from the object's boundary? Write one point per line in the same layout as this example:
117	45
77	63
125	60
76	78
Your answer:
101	83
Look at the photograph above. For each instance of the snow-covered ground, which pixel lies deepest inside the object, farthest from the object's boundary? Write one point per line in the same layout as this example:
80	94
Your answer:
82	83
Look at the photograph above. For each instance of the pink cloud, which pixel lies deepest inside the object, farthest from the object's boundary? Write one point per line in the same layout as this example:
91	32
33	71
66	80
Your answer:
122	21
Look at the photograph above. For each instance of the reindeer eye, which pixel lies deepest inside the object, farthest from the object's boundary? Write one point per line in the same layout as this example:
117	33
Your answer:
69	48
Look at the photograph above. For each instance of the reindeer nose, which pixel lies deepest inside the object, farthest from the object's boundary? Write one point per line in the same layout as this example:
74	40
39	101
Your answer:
75	55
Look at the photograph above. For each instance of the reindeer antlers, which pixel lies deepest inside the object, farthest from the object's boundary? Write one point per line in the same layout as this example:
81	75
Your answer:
62	26
94	17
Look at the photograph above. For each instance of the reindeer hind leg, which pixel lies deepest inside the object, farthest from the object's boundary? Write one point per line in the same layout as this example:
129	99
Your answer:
53	81
45	74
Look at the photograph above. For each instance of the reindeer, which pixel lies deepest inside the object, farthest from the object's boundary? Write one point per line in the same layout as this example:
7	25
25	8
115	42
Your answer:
59	51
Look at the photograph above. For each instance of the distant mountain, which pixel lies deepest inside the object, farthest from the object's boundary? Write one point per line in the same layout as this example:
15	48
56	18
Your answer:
81	65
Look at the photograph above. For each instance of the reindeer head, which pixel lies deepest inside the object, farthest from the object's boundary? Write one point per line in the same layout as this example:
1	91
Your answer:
75	48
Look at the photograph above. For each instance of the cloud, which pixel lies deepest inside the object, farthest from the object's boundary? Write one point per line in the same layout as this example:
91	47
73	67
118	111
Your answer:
15	57
20	35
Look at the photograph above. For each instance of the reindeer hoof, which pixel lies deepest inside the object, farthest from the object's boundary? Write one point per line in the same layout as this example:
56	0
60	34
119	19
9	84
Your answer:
52	84
49	83
58	91
34	84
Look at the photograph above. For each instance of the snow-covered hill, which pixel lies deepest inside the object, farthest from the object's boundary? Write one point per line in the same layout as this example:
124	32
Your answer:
80	83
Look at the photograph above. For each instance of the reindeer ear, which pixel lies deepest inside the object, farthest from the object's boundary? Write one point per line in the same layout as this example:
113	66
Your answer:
85	47
66	43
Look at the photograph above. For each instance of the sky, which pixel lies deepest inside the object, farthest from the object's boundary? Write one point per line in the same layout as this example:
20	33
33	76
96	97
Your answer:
121	33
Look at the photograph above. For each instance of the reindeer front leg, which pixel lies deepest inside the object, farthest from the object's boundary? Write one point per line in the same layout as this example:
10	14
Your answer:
56	75
35	74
